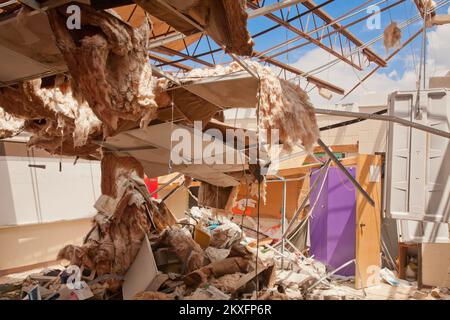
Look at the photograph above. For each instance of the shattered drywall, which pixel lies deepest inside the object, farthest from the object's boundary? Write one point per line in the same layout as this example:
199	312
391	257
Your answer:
108	66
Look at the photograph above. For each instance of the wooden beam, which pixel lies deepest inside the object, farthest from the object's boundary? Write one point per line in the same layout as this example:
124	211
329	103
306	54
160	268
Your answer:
306	169
368	222
165	60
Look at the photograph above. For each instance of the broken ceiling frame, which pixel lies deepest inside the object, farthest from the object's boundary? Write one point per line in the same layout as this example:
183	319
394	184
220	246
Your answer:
320	18
285	22
387	59
329	33
375	116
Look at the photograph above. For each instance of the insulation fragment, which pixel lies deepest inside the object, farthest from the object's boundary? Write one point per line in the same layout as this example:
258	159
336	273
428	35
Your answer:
185	248
10	126
108	64
392	36
283	105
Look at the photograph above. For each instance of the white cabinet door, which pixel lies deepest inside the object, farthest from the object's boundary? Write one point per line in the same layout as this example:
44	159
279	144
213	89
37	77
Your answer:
418	184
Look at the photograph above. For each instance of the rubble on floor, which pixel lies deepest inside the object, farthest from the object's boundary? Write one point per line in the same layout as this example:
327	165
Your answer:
171	264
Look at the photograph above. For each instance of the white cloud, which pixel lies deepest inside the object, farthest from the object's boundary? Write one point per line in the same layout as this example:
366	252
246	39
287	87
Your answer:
380	84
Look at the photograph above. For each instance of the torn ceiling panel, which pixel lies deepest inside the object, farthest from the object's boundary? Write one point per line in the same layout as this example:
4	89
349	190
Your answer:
200	98
188	106
152	145
283	105
27	48
225	90
225	21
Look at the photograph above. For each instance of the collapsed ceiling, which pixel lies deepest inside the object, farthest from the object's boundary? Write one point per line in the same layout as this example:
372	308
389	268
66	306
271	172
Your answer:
75	90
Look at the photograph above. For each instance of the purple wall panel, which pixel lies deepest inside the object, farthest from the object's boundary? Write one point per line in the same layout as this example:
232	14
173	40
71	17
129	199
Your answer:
333	219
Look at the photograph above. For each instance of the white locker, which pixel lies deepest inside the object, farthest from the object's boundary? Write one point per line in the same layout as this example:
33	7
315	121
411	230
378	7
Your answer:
418	163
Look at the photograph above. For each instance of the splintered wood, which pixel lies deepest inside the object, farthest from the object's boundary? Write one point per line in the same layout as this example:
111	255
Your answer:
392	36
107	61
121	223
282	104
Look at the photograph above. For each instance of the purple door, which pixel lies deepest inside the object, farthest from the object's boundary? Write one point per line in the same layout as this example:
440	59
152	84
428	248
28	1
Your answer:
332	224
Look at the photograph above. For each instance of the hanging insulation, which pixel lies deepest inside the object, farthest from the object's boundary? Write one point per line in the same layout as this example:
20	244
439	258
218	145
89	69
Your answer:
58	123
120	224
108	65
283	105
10	126
392	36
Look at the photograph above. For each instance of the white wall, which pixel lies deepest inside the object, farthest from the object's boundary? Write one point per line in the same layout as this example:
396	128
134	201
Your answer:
32	195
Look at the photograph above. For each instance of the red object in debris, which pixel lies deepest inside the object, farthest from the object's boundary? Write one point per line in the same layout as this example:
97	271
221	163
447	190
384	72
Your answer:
152	185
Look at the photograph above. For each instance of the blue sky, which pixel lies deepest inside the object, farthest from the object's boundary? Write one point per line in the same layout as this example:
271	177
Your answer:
400	69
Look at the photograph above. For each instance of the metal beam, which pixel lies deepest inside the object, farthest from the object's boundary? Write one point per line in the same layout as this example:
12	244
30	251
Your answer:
306	35
373	116
345	171
387	59
165	60
349	122
327	18
273	7
318	82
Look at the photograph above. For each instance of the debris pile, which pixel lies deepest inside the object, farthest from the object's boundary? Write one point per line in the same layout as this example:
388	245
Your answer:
121	221
205	257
